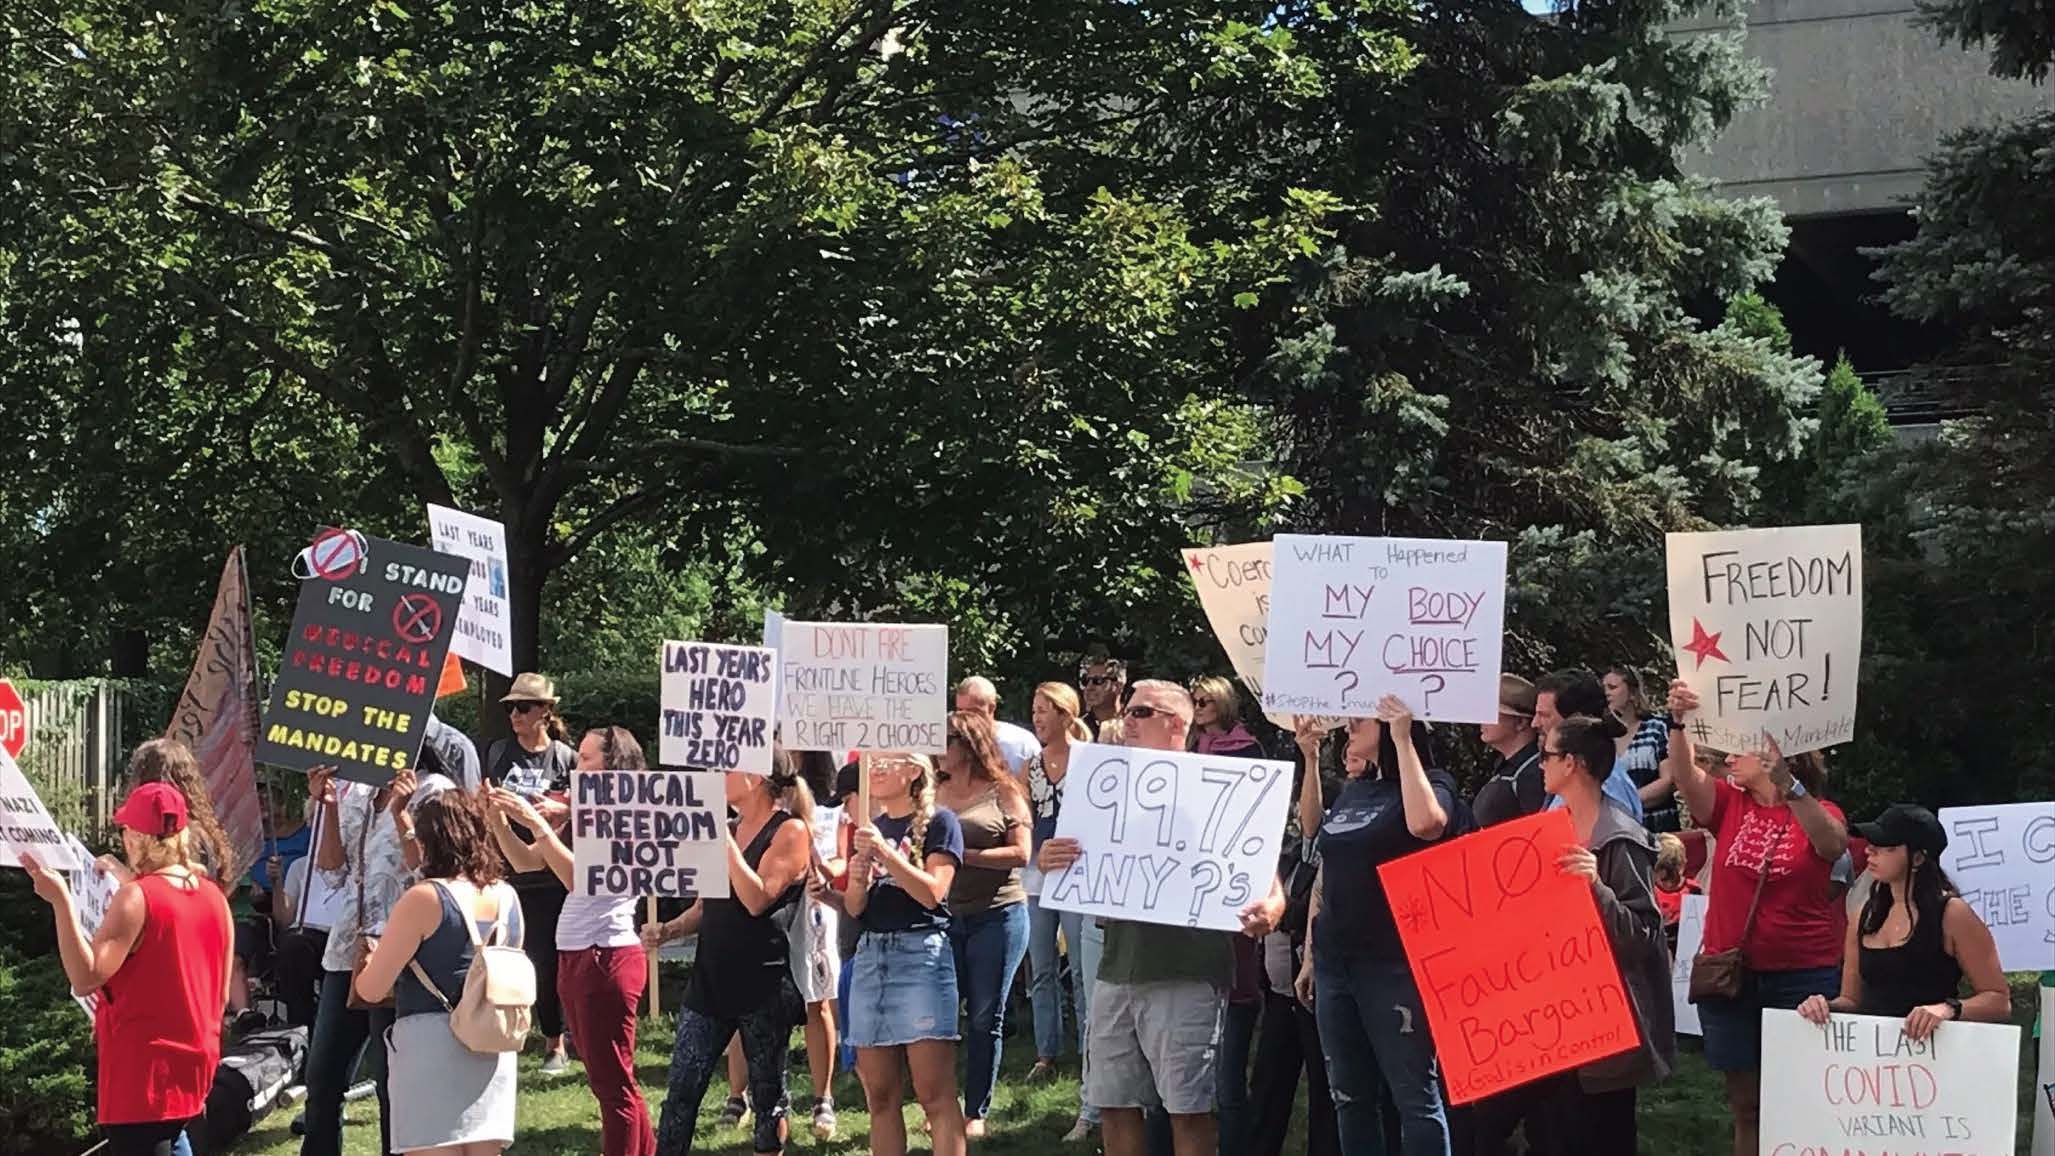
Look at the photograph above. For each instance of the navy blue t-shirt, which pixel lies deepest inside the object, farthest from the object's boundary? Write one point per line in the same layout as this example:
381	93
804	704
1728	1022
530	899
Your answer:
1367	827
890	907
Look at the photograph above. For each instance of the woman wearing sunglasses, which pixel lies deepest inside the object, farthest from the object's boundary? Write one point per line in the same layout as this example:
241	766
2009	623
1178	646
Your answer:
535	763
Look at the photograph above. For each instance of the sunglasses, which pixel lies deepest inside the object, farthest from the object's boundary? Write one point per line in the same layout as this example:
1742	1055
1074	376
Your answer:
1202	702
1547	755
524	707
1148	712
1097	680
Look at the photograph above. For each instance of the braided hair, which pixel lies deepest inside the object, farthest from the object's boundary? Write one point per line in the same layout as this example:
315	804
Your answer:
922	790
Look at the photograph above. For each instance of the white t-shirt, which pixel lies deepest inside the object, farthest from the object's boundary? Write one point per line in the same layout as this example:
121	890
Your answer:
597	921
1017	745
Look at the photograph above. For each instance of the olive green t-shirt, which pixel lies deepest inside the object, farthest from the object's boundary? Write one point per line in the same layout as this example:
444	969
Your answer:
1151	952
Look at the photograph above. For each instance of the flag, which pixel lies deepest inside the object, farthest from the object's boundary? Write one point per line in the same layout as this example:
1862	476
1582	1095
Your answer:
452	680
217	714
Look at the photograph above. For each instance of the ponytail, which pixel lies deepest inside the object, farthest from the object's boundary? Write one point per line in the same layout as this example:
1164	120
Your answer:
923	810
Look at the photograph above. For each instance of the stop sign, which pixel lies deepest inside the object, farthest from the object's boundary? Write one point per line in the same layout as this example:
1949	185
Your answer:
14	720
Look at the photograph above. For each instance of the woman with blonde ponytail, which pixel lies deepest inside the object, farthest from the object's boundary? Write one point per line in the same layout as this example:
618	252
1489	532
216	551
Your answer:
902	995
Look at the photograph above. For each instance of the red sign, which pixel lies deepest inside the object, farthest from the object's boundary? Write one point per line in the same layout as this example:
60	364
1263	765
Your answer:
1514	966
14	721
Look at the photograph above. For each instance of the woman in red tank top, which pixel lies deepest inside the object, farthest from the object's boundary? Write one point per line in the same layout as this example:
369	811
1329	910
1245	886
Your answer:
160	961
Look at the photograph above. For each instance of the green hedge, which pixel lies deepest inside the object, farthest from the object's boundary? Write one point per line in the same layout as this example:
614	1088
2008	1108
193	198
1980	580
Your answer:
46	1087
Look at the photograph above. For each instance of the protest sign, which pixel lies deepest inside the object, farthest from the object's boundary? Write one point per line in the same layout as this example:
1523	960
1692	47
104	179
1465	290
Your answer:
1857	1084
1355	619
485	625
773	638
1514	966
363	662
1233	584
91	891
719	707
2002	859
659	833
1690	937
1768	630
26	825
863	686
1169	836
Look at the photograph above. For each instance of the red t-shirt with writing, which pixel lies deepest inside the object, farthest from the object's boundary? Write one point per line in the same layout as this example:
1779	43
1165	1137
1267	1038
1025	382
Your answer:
1797	924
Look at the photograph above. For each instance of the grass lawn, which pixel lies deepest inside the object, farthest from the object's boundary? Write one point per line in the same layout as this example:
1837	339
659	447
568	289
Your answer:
1685	1116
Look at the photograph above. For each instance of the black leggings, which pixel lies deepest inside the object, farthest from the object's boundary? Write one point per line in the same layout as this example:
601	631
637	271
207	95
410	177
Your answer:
700	1049
157	1139
541	904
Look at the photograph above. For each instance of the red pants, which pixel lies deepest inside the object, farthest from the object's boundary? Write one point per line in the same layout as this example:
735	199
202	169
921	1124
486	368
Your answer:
600	988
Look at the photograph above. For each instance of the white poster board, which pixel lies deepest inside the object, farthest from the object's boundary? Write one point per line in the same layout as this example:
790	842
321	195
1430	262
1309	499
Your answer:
719	707
2002	858
91	892
1858	1084
1767	625
1169	836
863	686
1355	619
485	621
26	825
1690	937
661	833
1233	584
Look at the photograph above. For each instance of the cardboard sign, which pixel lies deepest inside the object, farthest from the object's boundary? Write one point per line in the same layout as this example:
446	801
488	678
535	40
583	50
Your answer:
719	707
863	686
485	625
1169	836
659	833
1514	966
1768	630
361	667
91	892
1858	1084
1355	619
2002	858
26	825
1233	584
1690	937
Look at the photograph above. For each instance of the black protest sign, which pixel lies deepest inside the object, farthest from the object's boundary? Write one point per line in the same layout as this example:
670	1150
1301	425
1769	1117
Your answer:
361	666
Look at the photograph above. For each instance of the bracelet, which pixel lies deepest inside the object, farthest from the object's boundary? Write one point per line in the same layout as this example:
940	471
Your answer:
1797	790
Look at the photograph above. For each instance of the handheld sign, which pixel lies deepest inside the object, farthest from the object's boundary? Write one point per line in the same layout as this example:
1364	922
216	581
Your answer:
362	664
1514	966
1768	630
1355	619
1169	836
1858	1084
2002	858
719	707
91	891
1233	584
485	626
863	686
661	833
26	825
1690	937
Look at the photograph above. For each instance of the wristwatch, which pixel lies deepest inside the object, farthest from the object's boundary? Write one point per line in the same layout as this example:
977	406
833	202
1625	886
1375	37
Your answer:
1673	723
1954	1007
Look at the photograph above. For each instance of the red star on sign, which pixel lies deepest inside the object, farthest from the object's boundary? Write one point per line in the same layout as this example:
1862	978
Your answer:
1197	564
1704	645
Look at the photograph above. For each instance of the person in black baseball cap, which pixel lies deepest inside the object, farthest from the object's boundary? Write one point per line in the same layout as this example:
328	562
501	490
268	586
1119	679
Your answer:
1916	938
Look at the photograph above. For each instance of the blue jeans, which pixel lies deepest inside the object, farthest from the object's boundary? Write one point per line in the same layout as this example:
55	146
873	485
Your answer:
847	1051
339	1036
1375	1032
1045	977
989	947
1231	1075
1091	942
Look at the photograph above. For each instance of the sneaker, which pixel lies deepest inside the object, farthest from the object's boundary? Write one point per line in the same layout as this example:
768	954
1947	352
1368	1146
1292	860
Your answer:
1079	1132
555	1064
734	1112
823	1120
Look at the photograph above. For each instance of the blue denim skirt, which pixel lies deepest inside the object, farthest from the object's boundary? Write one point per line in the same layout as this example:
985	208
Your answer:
902	989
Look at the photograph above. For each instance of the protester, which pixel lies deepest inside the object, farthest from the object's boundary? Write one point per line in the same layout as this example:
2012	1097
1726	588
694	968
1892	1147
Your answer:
1158	998
1104	682
816	954
601	965
1617	856
988	914
160	961
1642	748
1777	843
535	763
1907	953
1356	977
213	851
303	909
1217	720
742	982
1017	744
259	938
1288	1037
1670	884
446	1098
1217	730
1515	786
902	993
1571	694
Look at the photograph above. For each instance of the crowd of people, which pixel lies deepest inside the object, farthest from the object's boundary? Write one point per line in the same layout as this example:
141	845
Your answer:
894	938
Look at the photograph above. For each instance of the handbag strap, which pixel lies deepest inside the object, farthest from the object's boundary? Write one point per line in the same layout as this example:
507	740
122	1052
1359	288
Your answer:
470	923
1762	877
363	868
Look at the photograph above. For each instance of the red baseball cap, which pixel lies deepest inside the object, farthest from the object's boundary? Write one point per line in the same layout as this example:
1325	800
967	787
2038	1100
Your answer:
153	809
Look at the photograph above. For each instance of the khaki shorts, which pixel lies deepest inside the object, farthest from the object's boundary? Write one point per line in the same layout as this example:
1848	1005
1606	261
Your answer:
1151	1044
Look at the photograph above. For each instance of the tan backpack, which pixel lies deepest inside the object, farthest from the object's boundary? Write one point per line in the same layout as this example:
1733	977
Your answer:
495	1010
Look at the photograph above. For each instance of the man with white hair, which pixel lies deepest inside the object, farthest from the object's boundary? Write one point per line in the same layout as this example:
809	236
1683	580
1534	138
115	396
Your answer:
1017	744
1158	998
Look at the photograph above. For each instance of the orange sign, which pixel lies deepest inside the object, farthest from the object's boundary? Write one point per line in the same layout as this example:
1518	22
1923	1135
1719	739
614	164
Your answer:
1514	966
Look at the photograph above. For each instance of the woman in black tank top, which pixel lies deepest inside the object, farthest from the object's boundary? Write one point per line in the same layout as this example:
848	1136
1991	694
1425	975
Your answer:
742	980
1916	938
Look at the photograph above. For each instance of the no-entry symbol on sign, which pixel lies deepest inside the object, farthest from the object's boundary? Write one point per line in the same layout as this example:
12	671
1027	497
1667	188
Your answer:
417	618
14	720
